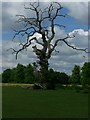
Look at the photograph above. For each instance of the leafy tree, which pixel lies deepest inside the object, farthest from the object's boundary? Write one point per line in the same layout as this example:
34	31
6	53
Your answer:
29	74
43	22
20	74
51	79
14	75
6	76
63	78
57	78
85	74
75	77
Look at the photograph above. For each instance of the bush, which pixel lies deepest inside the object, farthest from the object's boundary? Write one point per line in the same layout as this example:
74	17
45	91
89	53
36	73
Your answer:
86	91
51	86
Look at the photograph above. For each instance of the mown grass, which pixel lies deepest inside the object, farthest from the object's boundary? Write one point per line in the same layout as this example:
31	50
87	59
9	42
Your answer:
25	103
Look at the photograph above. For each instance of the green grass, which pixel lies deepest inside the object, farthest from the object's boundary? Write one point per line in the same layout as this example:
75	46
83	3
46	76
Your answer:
25	103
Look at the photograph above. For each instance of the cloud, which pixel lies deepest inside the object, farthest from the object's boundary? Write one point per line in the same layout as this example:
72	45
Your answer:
81	38
9	12
9	59
63	61
67	57
78	10
11	9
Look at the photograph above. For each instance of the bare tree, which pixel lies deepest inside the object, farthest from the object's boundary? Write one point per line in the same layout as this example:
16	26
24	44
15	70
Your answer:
43	23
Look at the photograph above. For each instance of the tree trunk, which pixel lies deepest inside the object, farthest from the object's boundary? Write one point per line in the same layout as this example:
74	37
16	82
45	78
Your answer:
44	73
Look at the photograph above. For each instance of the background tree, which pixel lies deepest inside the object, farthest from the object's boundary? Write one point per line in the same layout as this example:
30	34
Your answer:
55	78
85	74
20	74
6	76
75	77
51	79
29	74
43	22
13	75
63	78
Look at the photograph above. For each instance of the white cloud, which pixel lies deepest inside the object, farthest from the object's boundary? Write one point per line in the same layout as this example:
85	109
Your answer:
9	12
81	38
9	59
66	58
78	10
62	61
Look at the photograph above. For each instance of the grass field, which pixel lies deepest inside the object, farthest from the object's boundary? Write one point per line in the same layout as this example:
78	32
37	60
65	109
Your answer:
24	103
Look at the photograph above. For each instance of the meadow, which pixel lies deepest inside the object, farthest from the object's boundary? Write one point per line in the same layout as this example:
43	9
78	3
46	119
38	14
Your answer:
18	102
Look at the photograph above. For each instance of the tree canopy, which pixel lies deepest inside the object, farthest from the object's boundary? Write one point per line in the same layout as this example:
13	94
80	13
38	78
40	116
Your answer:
75	77
85	75
27	74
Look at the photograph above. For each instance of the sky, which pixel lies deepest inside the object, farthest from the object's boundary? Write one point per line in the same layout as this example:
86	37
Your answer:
76	23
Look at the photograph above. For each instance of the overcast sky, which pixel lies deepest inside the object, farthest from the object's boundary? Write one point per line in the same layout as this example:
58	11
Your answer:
64	61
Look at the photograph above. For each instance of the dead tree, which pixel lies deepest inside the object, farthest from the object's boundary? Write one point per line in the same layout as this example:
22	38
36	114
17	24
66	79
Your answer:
36	24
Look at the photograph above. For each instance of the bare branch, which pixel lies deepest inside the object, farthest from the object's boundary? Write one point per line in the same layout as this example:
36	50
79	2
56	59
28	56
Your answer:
29	21
12	49
58	4
39	42
24	46
71	46
59	25
57	9
67	43
25	31
50	14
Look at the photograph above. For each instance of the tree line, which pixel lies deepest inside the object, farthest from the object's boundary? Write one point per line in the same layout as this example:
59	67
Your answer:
29	74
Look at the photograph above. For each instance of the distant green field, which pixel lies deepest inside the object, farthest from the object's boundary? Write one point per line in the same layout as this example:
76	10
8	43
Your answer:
24	103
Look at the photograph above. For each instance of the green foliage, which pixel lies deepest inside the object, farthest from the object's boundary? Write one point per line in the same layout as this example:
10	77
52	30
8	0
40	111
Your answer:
20	76
55	78
85	74
63	78
75	77
29	75
51	79
6	76
58	77
13	75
